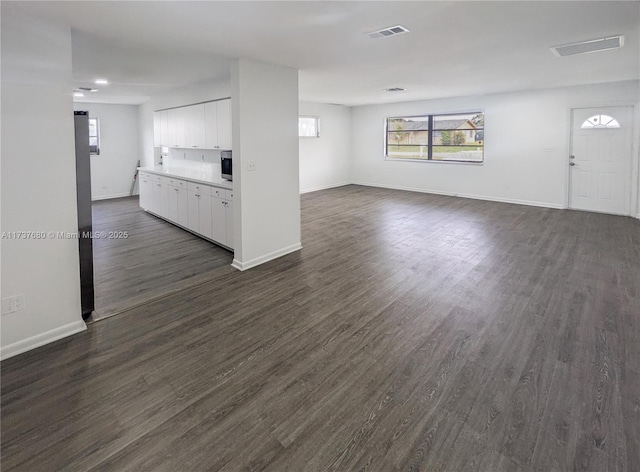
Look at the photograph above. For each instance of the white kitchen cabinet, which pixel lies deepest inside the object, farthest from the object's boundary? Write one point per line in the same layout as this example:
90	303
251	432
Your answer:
229	221
160	197
199	208
219	220
224	124
222	218
176	126
194	127
206	210
202	126
177	202
157	127
144	189
217	121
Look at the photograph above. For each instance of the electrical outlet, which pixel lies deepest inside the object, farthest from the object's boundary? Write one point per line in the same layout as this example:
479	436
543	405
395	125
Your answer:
8	305
251	166
20	302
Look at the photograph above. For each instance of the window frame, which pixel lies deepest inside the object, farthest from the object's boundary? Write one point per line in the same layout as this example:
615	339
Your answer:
317	120
430	146
95	152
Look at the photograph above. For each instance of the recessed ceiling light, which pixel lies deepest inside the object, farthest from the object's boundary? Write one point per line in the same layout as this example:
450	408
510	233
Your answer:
386	32
593	45
102	81
395	89
78	94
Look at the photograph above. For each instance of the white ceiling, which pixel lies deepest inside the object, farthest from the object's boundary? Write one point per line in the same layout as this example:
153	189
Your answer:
454	48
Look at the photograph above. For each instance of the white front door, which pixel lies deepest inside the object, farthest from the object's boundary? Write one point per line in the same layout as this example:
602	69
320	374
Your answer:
601	143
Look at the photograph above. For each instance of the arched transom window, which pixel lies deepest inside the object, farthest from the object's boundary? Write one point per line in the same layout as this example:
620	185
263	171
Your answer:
600	121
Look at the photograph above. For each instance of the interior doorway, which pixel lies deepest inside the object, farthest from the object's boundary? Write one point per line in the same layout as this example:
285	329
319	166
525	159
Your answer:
600	161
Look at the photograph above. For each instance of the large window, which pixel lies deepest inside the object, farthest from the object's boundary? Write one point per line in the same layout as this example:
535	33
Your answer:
454	138
94	136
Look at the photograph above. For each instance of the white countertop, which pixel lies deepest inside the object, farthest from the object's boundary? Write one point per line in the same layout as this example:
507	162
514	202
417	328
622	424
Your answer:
194	174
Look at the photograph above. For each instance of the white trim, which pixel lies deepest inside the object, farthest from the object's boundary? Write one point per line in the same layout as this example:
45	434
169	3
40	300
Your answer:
41	339
324	187
115	195
265	258
558	206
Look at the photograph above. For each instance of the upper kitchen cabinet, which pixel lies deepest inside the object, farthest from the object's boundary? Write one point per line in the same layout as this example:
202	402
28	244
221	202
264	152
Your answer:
161	129
217	122
194	126
202	126
177	127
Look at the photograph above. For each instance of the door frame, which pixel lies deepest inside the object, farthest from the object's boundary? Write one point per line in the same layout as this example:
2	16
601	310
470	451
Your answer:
633	197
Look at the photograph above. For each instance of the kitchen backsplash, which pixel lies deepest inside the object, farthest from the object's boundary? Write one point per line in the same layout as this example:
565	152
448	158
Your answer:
188	156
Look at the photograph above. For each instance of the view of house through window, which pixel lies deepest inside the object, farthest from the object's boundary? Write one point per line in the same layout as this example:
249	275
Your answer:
94	136
456	138
308	127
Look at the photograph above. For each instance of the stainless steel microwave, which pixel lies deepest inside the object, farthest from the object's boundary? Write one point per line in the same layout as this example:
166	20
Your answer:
226	165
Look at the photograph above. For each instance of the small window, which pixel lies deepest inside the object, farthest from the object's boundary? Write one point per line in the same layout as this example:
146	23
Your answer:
450	138
94	136
600	122
308	127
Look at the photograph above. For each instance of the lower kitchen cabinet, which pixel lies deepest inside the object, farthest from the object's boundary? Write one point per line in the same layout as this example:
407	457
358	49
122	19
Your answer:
222	211
205	210
199	214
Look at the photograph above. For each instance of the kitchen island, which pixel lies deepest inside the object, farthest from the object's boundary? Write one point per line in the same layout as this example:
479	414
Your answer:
195	199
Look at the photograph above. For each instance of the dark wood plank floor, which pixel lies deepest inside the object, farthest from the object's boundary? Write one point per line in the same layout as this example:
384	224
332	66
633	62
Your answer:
412	332
154	259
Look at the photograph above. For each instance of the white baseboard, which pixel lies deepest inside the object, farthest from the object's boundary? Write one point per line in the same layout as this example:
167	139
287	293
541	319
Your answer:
42	339
115	195
324	187
465	195
265	258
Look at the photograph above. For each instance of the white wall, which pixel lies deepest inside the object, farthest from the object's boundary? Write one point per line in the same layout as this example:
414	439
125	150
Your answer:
196	93
326	161
265	132
112	171
38	182
526	139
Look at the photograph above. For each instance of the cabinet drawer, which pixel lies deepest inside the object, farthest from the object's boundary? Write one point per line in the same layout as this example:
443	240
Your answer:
229	194
144	176
199	188
217	192
177	183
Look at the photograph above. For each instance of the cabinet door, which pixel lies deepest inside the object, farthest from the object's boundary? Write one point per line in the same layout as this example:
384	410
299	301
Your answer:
193	211
183	207
204	212
219	221
229	215
145	191
176	128
182	120
223	116
210	125
157	125
172	205
197	126
164	128
160	199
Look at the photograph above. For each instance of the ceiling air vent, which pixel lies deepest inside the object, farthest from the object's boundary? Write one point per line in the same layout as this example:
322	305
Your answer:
392	31
394	89
593	45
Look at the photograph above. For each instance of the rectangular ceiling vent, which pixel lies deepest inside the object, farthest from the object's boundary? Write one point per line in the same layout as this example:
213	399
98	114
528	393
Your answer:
385	33
593	45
